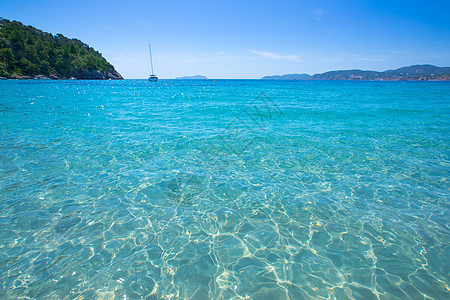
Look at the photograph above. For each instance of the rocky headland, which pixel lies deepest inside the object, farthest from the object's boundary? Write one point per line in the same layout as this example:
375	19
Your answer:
29	53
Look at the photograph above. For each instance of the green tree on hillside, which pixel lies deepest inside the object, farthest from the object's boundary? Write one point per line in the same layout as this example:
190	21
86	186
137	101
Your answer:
27	51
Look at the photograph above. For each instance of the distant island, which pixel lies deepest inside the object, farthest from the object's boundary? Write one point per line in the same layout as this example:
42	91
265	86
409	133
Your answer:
27	53
195	77
411	73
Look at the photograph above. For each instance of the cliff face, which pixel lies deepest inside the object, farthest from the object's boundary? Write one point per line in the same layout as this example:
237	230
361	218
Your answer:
27	52
95	74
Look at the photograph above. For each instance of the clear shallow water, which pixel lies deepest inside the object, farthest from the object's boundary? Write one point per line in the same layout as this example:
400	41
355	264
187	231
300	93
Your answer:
224	190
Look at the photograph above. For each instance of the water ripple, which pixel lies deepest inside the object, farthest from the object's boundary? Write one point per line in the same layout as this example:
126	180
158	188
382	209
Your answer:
224	190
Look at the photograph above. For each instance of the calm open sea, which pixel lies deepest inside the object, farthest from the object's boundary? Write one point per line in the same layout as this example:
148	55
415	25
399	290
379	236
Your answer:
224	189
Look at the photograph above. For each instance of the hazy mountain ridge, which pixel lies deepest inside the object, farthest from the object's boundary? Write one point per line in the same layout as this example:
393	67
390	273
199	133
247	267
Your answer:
288	77
415	72
194	77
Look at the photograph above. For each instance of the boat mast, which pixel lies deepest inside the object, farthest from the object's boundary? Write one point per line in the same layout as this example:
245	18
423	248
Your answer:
151	61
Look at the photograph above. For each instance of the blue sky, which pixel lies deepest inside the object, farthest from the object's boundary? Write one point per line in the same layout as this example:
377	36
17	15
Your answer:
247	38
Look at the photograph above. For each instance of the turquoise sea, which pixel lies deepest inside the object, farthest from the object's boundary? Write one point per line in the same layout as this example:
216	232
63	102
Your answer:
225	189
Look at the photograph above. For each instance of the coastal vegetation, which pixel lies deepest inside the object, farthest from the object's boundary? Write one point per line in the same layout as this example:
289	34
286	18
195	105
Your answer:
27	52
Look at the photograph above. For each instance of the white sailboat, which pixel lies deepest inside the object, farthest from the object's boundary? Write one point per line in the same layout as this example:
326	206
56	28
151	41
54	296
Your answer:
152	77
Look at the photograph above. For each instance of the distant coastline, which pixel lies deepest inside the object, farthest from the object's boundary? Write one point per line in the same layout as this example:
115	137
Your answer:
410	73
288	77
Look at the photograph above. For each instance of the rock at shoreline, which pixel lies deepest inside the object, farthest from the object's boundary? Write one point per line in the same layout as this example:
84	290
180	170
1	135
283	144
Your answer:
95	74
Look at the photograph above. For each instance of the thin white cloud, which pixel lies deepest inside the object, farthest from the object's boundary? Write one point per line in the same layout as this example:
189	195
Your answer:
272	55
318	13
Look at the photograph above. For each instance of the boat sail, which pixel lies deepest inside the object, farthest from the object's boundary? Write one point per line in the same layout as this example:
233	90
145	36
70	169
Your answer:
152	77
